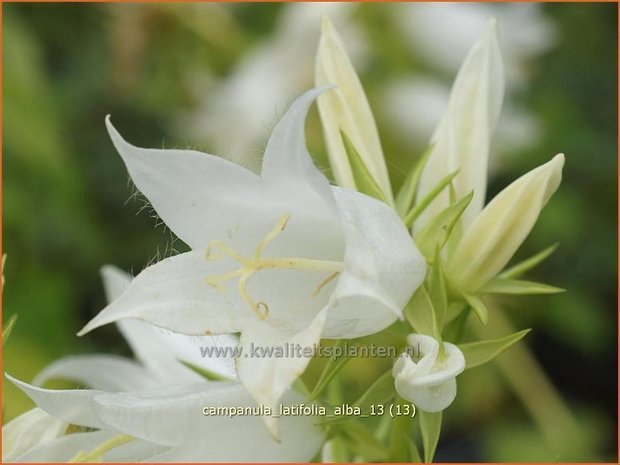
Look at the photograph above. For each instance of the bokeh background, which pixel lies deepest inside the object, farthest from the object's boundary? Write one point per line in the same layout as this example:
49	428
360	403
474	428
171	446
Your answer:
217	77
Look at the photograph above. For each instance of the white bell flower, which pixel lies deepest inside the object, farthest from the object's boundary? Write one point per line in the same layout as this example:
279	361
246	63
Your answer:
426	373
282	258
142	413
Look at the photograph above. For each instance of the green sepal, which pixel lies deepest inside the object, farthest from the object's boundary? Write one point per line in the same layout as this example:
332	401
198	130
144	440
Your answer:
407	192
528	264
331	369
208	374
420	312
517	286
438	294
379	392
430	427
364	181
437	232
479	353
478	306
420	206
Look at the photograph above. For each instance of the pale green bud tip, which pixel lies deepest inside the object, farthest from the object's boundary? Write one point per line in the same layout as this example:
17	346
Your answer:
499	230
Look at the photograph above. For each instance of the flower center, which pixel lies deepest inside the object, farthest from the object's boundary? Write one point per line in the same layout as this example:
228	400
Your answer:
257	262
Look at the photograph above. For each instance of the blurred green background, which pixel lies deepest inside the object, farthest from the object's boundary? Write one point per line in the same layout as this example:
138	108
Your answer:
166	71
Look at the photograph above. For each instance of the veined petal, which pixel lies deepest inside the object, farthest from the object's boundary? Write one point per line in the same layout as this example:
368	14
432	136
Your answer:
347	108
161	350
174	416
267	374
494	237
461	140
287	161
382	268
203	198
103	372
70	405
174	294
188	189
27	431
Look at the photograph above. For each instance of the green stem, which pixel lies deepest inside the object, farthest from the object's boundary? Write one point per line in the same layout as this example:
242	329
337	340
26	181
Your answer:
401	429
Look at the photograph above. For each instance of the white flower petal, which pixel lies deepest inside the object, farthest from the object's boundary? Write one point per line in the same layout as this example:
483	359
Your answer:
103	372
347	108
491	241
173	294
161	350
27	431
269	375
200	197
287	161
72	406
433	398
382	268
173	416
115	281
461	141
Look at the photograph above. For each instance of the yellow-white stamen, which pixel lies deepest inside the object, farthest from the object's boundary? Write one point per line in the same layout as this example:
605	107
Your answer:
258	262
96	455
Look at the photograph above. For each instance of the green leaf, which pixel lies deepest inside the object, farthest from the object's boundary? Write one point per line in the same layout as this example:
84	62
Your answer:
380	392
363	443
516	286
407	193
420	313
437	232
430	427
332	367
478	353
364	180
478	306
6	331
208	374
420	206
526	265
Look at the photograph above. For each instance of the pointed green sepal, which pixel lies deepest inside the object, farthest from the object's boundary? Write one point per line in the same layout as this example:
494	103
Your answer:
517	286
407	193
425	201
332	367
479	353
430	427
478	306
437	232
362	177
528	264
